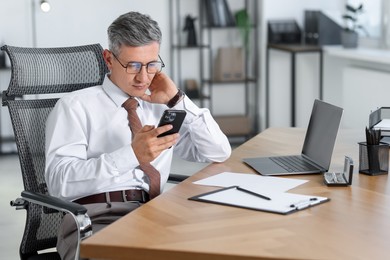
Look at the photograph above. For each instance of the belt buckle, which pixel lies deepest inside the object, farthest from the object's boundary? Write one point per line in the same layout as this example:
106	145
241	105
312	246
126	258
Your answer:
143	196
124	197
108	199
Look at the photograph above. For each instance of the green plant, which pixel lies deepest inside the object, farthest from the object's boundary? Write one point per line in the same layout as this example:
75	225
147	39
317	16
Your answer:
244	24
351	18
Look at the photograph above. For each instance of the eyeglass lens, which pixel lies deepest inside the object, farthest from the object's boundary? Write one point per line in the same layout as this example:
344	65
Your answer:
151	67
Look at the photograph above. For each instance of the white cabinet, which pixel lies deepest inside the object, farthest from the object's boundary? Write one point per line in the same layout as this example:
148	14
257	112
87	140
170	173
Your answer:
358	81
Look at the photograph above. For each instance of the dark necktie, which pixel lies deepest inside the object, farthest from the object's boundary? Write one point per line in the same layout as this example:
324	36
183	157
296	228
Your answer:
135	125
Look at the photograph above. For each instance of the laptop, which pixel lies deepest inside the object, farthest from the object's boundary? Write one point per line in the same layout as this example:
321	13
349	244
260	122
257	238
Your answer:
317	148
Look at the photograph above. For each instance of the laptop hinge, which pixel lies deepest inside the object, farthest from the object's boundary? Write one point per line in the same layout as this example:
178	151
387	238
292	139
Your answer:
314	163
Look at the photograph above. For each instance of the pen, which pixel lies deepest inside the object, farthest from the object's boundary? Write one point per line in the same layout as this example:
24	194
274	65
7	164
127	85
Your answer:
373	136
253	193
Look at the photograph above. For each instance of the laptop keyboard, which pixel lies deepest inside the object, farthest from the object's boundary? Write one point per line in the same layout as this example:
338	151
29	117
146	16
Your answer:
293	163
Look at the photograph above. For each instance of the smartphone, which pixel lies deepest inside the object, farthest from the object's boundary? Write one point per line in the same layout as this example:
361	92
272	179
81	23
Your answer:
174	118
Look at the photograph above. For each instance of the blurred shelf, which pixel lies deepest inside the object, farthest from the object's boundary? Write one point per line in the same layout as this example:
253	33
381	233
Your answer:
235	125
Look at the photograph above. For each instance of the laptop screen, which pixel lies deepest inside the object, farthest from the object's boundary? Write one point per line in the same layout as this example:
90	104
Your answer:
322	132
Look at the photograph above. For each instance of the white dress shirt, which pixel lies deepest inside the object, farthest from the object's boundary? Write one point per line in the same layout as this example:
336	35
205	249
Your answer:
88	142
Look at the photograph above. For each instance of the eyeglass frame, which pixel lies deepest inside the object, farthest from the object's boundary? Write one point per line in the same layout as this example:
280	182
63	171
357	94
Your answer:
142	65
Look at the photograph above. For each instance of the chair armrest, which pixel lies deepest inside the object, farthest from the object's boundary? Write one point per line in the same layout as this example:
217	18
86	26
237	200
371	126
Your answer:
177	177
54	203
77	211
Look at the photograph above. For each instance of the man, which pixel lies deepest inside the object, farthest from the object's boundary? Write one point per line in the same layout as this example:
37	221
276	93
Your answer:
95	154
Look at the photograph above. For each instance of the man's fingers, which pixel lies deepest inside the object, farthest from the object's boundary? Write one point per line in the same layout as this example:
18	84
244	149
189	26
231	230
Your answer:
147	128
147	146
146	98
166	142
157	131
163	129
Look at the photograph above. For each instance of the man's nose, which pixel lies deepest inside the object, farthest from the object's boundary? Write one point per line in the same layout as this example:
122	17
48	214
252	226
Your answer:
142	75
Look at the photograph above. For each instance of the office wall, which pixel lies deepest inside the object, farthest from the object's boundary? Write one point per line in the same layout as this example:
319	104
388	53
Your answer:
73	22
363	91
14	26
356	80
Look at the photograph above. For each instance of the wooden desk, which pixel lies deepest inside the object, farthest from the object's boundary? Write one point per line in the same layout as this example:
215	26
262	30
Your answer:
355	224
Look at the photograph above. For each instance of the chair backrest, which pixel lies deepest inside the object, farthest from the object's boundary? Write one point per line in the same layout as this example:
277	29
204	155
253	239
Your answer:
36	72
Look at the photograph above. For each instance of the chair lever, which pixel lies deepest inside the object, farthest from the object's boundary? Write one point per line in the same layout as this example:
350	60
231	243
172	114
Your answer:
19	203
5	97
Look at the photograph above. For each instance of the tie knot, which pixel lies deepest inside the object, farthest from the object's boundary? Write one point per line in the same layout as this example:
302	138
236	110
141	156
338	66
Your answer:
130	104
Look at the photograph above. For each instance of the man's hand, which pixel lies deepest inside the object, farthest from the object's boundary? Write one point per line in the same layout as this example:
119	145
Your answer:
162	89
147	146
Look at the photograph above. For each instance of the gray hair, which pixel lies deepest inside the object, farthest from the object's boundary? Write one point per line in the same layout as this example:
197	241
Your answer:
132	29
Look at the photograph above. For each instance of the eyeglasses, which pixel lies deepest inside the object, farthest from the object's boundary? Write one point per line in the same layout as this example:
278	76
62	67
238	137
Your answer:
133	67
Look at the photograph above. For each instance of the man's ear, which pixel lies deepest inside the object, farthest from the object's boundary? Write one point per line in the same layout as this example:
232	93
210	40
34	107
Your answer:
107	55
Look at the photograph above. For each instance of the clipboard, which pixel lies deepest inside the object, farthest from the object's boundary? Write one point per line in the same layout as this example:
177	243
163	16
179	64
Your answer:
281	202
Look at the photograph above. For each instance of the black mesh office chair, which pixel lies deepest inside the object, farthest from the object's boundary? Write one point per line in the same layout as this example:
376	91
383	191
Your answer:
38	74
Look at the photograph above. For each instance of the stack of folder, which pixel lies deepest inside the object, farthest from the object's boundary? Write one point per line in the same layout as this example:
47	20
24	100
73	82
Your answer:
219	14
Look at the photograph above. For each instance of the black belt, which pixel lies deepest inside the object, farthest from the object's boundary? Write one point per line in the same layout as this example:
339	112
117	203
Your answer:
116	196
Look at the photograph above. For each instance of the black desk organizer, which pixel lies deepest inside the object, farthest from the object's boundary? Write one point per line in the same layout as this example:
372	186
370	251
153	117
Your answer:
374	159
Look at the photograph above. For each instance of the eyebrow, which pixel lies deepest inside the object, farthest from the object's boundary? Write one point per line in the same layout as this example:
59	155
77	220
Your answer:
141	62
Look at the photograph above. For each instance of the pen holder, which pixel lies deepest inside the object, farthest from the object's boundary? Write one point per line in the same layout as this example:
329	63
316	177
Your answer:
373	159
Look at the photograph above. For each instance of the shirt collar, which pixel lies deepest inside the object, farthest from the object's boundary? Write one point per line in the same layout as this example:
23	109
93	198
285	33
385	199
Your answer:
116	94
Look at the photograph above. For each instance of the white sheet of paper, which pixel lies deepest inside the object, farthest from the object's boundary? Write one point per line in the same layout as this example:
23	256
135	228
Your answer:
256	183
384	124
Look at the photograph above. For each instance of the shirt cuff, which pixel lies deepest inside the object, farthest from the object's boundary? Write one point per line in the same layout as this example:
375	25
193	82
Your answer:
193	111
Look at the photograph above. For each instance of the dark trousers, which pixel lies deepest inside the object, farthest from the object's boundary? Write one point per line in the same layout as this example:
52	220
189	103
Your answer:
101	215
